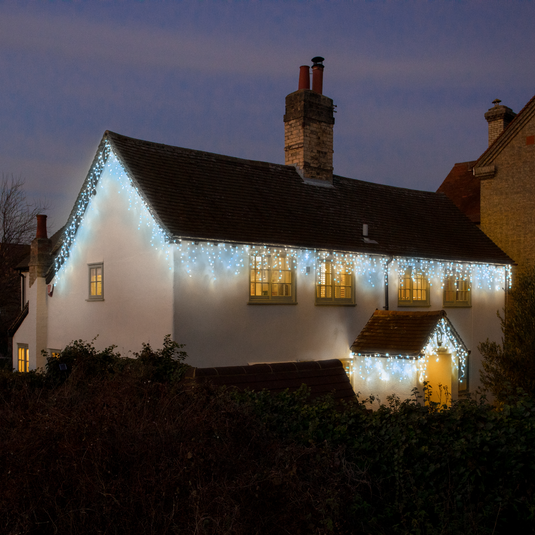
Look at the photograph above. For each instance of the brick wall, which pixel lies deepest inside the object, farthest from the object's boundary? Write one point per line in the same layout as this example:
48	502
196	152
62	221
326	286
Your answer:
308	134
508	199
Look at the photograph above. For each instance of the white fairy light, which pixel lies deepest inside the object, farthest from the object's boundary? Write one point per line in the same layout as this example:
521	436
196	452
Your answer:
234	258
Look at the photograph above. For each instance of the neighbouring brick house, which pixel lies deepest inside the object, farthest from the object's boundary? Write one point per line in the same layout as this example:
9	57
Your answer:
250	262
497	191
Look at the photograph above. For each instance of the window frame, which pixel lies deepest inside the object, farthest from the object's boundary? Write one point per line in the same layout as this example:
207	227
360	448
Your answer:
25	350
100	296
456	302
412	302
269	298
332	300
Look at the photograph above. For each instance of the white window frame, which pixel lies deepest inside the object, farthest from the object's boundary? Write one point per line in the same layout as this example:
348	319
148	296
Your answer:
269	285
461	290
329	288
23	358
93	294
411	288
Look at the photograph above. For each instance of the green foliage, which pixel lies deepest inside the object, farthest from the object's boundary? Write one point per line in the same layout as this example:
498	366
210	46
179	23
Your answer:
511	365
164	364
123	446
84	358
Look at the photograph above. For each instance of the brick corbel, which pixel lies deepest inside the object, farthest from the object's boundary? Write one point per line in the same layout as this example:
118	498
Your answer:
484	173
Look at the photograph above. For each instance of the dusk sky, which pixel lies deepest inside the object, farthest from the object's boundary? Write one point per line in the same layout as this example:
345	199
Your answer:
411	81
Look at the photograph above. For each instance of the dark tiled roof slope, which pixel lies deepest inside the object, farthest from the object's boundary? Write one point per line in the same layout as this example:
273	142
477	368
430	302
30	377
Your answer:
322	377
396	332
200	195
464	189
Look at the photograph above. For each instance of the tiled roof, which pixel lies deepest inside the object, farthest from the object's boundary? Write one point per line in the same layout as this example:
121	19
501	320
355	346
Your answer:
463	188
396	332
199	195
322	377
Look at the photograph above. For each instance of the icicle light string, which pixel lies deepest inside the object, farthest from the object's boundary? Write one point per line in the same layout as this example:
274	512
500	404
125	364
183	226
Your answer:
403	367
234	258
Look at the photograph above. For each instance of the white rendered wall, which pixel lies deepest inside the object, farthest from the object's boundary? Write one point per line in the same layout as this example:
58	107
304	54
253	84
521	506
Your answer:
137	305
32	331
219	327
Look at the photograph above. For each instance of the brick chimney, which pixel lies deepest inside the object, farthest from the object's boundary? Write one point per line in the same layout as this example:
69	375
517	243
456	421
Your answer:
40	258
498	118
308	126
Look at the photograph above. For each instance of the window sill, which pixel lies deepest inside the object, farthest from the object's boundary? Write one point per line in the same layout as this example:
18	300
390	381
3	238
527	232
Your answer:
414	305
91	300
335	304
460	305
271	303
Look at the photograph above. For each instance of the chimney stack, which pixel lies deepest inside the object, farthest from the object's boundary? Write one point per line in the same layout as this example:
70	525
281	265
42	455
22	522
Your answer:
498	118
308	126
40	257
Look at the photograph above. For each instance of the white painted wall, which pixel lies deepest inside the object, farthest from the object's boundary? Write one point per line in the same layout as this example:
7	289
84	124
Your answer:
219	327
137	305
32	331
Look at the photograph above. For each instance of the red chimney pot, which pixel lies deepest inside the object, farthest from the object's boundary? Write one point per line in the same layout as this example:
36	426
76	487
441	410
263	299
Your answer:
304	77
317	74
41	227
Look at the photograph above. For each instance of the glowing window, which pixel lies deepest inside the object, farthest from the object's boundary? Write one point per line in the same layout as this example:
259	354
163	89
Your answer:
23	358
96	282
271	279
413	289
334	285
457	292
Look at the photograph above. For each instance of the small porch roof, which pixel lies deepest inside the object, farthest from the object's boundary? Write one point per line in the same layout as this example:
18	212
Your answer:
390	333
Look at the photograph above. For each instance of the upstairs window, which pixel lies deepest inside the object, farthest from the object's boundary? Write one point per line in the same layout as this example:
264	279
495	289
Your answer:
334	285
96	282
457	292
413	289
23	358
271	280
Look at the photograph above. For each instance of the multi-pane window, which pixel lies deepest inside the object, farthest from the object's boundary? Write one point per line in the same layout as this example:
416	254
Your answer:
413	289
23	358
457	292
272	279
334	285
96	281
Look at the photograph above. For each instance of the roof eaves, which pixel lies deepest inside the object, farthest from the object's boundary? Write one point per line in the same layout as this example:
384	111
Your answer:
137	186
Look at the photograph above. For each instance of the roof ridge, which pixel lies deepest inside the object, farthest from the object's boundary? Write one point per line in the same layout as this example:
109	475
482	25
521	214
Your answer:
185	150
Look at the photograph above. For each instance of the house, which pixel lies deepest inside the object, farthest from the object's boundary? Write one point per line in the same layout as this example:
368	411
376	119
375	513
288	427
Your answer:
249	262
497	190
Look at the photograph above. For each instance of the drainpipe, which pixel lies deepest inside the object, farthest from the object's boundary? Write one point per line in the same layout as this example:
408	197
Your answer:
388	262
